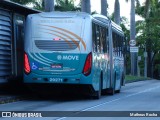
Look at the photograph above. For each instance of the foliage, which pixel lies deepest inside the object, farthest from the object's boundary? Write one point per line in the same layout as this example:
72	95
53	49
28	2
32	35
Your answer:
66	5
61	5
130	78
124	22
148	30
39	5
23	2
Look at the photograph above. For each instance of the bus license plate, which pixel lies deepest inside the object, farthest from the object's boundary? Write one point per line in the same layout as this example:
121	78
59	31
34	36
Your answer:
56	80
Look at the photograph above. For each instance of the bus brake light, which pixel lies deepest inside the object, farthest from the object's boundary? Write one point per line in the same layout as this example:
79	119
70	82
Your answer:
27	68
88	65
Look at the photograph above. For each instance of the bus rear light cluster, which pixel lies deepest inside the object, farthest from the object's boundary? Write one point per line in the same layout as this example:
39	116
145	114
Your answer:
88	65
27	67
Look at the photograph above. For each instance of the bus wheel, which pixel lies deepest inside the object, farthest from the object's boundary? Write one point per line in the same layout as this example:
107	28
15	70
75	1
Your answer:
111	91
118	91
123	80
97	94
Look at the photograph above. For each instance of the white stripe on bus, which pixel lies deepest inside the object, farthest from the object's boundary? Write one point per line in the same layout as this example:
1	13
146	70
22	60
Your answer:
37	60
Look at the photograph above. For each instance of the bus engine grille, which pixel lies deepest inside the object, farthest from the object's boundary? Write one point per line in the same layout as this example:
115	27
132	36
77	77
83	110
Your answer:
56	45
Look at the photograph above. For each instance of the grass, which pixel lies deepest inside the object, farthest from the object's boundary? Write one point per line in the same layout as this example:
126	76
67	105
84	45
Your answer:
130	78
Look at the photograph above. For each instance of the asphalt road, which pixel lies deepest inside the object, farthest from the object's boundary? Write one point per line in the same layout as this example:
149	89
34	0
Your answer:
138	98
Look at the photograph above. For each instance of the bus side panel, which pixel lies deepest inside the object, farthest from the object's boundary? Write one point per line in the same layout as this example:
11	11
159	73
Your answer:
94	78
117	73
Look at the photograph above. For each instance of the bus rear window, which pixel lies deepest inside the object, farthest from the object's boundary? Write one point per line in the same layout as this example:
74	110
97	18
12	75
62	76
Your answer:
57	28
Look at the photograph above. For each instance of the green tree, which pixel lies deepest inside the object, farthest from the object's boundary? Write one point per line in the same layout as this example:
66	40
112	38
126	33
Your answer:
39	5
149	35
60	5
66	5
23	2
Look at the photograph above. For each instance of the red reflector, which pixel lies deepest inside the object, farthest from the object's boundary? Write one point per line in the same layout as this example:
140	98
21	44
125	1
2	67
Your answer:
27	68
88	65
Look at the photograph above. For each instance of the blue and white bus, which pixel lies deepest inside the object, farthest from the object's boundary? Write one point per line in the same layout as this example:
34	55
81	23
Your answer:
74	49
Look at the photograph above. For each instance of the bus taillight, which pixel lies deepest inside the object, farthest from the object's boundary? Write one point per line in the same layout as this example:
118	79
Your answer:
88	65
27	67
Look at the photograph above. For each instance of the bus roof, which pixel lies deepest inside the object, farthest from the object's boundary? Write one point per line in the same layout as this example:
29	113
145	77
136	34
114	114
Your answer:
116	27
57	14
101	18
105	20
72	14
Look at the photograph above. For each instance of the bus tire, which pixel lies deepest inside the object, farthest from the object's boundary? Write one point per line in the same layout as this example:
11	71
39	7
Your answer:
118	91
123	80
111	91
97	94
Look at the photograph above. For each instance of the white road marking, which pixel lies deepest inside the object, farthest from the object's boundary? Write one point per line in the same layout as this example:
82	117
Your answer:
89	108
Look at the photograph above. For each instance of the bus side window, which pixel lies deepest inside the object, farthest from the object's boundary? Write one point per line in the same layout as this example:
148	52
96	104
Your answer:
122	46
118	44
117	40
101	40
107	39
98	39
104	40
114	42
94	44
107	44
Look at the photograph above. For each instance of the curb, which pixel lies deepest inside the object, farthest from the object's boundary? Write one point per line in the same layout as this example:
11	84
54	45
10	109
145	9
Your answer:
7	94
10	99
131	81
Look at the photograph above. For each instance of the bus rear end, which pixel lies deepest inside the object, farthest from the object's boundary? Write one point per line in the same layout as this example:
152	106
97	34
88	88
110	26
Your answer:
55	51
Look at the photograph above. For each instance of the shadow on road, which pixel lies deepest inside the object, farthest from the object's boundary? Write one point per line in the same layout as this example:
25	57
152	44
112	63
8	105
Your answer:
14	92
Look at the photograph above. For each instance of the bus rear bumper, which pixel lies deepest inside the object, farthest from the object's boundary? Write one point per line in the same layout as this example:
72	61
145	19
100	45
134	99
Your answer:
74	83
58	79
61	88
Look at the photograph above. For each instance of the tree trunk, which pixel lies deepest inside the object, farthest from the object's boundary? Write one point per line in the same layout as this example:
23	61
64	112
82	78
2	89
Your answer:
152	62
149	64
104	7
132	37
49	5
117	12
86	6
